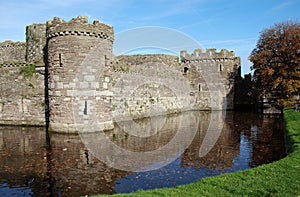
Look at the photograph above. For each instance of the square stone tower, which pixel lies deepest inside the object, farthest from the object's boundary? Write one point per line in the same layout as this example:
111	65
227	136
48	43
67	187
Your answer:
212	75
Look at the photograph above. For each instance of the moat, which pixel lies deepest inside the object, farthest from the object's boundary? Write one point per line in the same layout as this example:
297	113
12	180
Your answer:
33	163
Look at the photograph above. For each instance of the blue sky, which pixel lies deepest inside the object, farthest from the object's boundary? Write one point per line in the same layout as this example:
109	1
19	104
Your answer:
235	24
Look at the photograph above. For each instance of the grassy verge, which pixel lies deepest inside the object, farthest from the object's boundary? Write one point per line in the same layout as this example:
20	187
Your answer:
281	178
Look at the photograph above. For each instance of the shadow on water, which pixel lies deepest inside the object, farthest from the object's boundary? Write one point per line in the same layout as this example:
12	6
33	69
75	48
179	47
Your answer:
61	165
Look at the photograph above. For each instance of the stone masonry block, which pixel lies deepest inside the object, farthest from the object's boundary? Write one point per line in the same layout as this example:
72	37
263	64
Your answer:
89	78
84	85
59	85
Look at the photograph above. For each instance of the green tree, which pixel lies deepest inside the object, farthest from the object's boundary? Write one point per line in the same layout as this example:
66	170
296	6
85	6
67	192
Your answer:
276	60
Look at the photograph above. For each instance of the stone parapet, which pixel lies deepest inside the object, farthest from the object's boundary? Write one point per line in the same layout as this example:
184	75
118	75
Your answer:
148	58
208	54
79	27
12	51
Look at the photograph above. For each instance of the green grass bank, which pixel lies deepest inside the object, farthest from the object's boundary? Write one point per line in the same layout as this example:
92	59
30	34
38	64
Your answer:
280	178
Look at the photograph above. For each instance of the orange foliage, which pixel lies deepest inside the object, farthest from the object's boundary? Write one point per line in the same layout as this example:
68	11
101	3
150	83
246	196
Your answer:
276	61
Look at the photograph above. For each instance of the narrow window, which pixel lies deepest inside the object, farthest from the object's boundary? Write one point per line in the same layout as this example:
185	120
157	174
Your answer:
221	67
199	88
59	57
185	69
85	108
86	153
107	61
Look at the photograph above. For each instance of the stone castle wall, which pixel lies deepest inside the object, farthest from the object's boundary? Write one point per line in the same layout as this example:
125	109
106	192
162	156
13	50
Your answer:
21	97
83	80
12	51
22	83
129	60
144	89
212	76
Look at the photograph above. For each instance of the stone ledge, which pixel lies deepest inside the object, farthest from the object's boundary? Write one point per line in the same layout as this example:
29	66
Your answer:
75	128
35	123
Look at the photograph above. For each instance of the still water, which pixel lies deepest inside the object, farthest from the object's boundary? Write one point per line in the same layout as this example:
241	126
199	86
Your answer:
35	164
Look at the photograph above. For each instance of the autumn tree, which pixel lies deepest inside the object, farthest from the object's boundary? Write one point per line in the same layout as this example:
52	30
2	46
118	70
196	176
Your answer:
276	60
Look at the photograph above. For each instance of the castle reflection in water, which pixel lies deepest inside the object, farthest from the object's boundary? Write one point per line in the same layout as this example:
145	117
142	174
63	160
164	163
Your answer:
58	164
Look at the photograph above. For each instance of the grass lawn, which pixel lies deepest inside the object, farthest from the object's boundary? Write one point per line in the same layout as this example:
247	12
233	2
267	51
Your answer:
280	178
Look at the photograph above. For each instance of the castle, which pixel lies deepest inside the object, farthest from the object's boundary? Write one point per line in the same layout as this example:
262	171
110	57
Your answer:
68	70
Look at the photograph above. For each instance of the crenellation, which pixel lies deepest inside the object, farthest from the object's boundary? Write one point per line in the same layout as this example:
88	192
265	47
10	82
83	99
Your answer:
11	44
79	27
55	21
12	51
209	54
80	19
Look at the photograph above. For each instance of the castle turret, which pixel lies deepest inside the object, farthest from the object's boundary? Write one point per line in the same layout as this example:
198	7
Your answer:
211	73
36	42
77	53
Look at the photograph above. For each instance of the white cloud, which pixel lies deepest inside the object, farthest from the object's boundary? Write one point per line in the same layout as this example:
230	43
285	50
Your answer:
168	8
283	5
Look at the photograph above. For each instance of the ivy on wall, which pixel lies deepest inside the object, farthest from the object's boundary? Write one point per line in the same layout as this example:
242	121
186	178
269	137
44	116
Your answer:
28	70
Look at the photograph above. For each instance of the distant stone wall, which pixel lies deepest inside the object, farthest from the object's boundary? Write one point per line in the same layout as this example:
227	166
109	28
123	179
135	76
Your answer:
145	83
12	51
142	90
129	60
198	54
21	98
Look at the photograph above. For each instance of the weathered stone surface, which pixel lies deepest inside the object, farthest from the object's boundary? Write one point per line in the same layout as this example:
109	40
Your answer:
35	41
12	52
21	99
212	72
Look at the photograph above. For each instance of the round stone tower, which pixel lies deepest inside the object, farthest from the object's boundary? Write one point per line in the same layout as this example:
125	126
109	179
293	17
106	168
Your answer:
76	53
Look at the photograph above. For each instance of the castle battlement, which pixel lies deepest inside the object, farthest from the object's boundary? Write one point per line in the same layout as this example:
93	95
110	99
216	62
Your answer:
79	27
10	44
208	54
12	51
